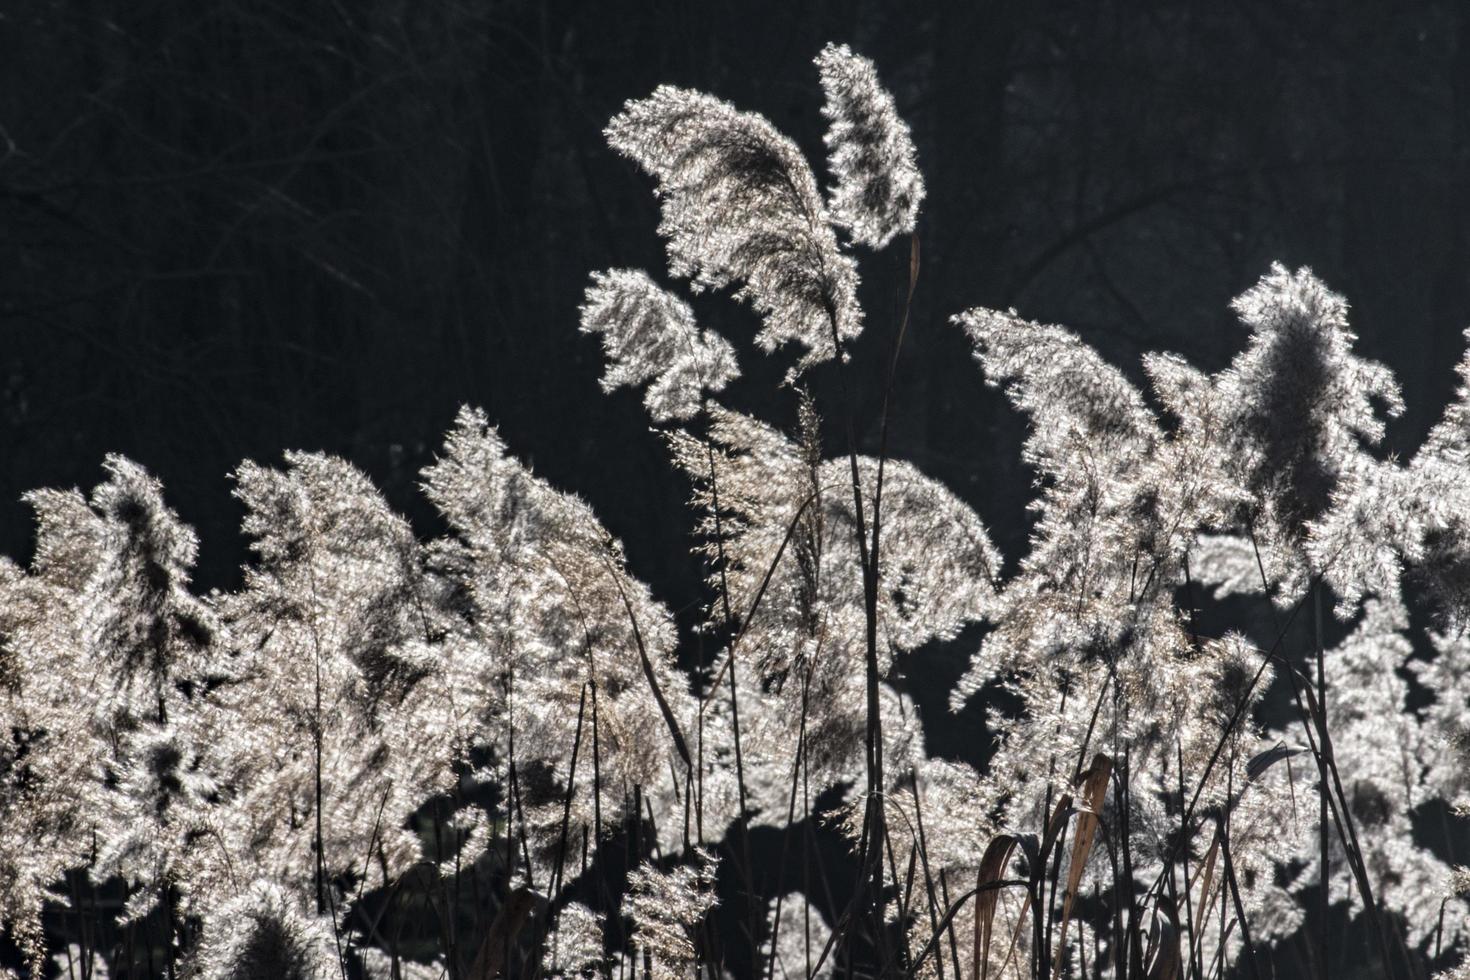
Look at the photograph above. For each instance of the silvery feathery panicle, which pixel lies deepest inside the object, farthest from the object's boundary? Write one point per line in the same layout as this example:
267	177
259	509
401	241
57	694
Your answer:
807	634
263	934
1447	717
155	817
332	605
1114	508
1416	516
152	623
879	187
126	557
1088	637
1091	434
666	908
740	205
104	649
561	621
48	762
649	335
763	483
1440	476
1287	419
574	947
1390	521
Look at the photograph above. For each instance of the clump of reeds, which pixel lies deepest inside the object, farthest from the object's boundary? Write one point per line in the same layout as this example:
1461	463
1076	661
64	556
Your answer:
479	755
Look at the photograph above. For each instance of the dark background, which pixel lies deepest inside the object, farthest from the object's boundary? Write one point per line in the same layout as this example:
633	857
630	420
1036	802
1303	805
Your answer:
233	227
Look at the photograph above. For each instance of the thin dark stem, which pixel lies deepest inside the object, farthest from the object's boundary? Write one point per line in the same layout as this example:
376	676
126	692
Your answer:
1323	835
596	765
554	888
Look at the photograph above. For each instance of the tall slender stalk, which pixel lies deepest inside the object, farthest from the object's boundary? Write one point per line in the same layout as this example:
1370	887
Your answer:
1323	834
